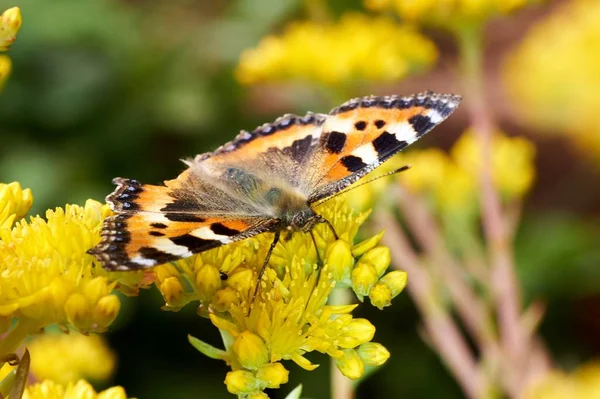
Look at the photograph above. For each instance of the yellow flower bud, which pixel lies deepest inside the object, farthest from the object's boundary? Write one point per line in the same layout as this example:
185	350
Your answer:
5	69
240	382
373	354
59	292
364	276
379	257
172	291
396	281
250	350
10	23
272	375
350	364
113	393
208	280
366	245
381	296
339	260
78	311
106	310
242	279
96	288
357	332
223	299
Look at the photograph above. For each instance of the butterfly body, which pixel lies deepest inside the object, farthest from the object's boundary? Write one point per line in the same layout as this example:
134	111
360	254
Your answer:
268	180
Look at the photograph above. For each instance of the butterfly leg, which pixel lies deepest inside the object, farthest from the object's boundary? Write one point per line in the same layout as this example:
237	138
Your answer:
328	223
319	260
264	266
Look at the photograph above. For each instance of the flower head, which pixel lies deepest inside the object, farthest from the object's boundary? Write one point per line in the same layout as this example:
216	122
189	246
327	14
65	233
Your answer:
366	48
582	383
49	389
552	76
67	358
290	316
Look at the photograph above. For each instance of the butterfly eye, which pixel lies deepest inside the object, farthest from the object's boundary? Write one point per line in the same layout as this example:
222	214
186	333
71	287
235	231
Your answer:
273	195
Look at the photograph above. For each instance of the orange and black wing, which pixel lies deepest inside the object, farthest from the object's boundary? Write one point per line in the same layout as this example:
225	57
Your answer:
159	224
364	132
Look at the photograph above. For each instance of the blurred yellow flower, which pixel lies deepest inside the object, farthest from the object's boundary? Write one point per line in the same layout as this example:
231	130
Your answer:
446	12
10	23
584	383
81	390
14	202
513	170
67	358
5	69
289	317
452	181
356	47
552	77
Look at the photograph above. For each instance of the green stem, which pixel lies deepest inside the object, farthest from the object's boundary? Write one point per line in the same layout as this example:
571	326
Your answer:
341	387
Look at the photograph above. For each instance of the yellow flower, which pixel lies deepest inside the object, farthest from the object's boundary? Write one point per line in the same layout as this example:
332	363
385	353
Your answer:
582	383
66	358
289	317
452	181
10	23
552	76
81	390
357	47
46	276
512	160
446	12
14	201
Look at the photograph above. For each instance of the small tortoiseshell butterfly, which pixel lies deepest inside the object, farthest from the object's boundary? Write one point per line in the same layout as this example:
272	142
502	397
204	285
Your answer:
268	180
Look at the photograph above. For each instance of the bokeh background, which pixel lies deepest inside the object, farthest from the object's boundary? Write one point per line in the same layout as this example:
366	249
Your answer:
105	88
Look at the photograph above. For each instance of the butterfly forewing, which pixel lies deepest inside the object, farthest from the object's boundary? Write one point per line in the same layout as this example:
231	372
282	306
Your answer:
364	132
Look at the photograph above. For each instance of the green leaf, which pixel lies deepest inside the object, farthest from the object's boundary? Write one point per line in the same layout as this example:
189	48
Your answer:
208	350
21	377
295	394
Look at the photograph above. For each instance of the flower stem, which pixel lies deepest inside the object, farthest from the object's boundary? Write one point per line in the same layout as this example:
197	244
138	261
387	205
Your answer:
503	281
341	386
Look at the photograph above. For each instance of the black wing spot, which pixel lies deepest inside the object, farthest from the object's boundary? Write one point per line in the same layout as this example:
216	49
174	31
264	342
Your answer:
421	123
360	125
379	123
156	255
159	225
195	244
335	142
156	234
353	163
386	143
222	230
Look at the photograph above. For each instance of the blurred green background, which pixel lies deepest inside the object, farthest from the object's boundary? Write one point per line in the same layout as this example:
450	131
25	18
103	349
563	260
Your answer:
103	88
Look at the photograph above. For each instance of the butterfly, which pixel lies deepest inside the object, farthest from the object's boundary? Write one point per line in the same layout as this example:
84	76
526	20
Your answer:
267	180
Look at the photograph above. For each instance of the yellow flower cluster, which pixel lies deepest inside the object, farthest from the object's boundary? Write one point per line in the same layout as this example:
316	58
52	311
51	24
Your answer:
452	180
290	316
356	47
446	12
553	78
47	276
67	358
584	383
81	390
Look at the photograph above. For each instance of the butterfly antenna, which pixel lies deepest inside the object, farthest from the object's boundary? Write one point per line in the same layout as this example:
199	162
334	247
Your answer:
263	268
352	187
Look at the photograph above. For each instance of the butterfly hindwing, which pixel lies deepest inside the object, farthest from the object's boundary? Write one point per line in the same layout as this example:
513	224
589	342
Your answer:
154	227
363	133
